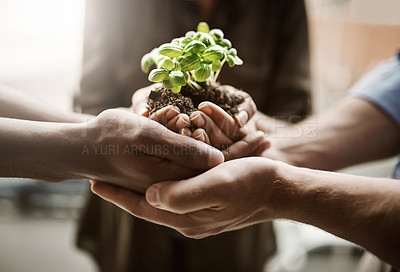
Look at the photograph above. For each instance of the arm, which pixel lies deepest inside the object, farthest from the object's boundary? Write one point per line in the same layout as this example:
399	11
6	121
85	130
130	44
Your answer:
16	104
352	132
247	191
117	146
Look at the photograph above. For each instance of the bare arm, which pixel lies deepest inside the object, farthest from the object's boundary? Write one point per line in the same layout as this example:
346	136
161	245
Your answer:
352	132
363	210
247	191
16	104
118	147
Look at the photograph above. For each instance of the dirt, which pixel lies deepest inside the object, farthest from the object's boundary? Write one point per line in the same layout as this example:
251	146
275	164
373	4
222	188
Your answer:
189	99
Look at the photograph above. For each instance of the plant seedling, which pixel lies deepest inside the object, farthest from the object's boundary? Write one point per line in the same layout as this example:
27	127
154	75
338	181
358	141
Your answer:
195	59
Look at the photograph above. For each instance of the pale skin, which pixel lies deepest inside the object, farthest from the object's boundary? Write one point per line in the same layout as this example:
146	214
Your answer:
247	191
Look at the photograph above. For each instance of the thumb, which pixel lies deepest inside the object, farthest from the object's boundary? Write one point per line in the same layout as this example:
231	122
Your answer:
251	145
182	196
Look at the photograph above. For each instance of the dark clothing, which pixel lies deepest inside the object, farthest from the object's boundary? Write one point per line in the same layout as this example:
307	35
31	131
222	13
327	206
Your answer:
271	38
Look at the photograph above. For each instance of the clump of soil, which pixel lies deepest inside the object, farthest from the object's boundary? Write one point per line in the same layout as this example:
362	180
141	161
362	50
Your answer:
189	99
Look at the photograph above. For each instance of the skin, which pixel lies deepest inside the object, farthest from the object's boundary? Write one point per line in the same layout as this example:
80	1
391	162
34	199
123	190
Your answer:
16	104
247	191
212	124
118	147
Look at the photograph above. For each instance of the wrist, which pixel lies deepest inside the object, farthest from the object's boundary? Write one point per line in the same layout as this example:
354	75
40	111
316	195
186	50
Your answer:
87	150
288	190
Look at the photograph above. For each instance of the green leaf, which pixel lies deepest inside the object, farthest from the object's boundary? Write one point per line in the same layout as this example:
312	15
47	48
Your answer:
170	50
186	74
176	89
238	61
176	41
177	78
195	47
203	71
166	63
206	39
190	34
146	62
213	53
232	52
158	75
224	43
177	65
203	27
167	84
197	36
231	60
216	65
217	34
186	40
156	56
190	62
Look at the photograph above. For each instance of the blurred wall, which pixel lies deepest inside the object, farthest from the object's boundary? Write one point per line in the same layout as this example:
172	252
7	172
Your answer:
41	47
348	37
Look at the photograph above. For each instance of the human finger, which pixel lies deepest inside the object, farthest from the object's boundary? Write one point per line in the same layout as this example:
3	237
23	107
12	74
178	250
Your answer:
164	115
251	145
223	120
178	122
246	111
137	205
139	100
183	196
201	135
216	135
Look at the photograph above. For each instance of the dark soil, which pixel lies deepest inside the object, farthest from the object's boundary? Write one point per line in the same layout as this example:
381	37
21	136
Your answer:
188	99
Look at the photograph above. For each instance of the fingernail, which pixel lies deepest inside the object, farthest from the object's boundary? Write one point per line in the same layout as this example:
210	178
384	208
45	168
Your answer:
173	111
242	117
204	107
186	132
152	196
183	119
197	119
201	137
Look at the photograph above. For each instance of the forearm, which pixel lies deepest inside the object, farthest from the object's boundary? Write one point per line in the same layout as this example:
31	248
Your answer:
363	210
15	104
40	150
355	131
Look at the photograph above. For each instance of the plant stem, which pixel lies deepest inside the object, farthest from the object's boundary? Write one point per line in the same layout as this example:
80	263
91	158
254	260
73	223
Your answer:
193	84
217	72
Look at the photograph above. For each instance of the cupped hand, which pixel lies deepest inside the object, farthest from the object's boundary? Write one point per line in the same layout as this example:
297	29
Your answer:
212	124
132	151
230	196
221	128
169	116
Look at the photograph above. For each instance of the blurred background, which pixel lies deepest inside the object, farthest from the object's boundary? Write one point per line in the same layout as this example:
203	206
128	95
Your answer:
40	53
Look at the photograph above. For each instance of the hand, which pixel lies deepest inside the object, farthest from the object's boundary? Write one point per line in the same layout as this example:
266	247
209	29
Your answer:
168	116
131	151
217	127
214	125
230	196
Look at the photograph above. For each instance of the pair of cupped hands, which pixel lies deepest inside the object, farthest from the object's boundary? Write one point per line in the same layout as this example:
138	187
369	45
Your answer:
201	180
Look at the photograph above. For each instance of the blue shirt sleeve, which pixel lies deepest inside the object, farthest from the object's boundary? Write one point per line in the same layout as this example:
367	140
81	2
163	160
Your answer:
381	86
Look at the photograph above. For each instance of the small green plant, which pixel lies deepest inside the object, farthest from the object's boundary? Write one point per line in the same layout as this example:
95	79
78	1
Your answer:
196	58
